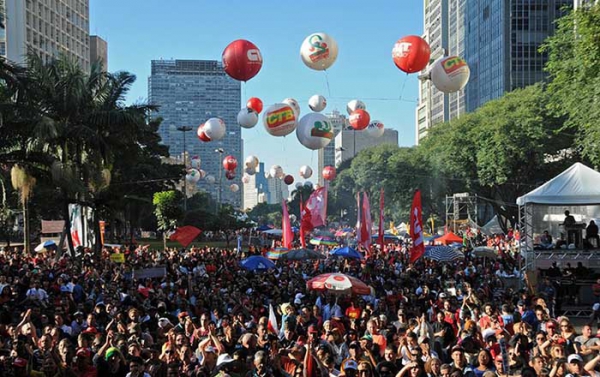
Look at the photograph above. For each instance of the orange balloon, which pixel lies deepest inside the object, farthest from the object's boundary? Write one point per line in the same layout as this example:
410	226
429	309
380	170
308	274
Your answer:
255	104
359	119
411	54
329	173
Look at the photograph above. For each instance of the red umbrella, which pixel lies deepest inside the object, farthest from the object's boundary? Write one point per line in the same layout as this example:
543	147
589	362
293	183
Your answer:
338	283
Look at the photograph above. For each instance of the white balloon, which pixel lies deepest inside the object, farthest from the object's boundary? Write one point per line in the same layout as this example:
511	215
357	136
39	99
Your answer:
246	178
214	128
247	118
210	179
234	187
317	103
450	74
193	176
251	162
299	184
250	171
280	119
314	131
354	105
375	128
319	51
294	104
276	171
306	172
195	162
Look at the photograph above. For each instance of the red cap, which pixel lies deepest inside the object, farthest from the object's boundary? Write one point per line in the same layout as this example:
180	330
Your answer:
83	352
20	362
312	329
90	330
498	358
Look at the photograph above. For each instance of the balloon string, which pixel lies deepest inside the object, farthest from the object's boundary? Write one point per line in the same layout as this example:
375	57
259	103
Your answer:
244	98
327	82
403	86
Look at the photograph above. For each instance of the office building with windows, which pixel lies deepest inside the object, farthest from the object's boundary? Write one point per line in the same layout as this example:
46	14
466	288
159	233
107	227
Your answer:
349	143
189	92
326	156
99	52
257	189
2	29
47	28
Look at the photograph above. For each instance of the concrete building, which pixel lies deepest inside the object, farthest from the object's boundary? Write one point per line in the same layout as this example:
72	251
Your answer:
349	143
2	29
326	156
48	28
189	92
257	189
278	190
99	51
585	3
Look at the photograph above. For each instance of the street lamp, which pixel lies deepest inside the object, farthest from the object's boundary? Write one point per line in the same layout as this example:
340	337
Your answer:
220	151
184	129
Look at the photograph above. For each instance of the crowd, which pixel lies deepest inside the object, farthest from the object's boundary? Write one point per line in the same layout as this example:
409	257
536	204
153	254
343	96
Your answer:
206	316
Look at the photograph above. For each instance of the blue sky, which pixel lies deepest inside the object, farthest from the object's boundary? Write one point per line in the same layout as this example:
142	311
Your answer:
138	31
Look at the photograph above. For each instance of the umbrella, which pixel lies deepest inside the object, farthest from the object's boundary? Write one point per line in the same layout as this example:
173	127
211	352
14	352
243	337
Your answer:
45	245
279	252
302	254
262	228
346	252
443	253
274	232
339	284
323	241
257	263
324	233
484	252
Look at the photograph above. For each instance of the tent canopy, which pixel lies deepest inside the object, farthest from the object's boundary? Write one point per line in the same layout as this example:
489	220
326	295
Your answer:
449	238
493	227
578	185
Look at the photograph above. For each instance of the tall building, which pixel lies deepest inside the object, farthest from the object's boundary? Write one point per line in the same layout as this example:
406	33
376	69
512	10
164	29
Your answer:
99	51
2	29
278	190
585	3
48	28
349	143
326	156
257	189
189	92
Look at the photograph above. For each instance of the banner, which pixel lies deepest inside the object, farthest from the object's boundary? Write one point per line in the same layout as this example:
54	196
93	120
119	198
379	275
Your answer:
102	225
76	225
286	227
305	225
185	235
381	221
272	323
316	206
367	223
117	258
52	226
416	228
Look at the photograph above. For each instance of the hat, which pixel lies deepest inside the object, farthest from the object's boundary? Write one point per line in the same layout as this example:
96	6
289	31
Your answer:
574	357
354	344
312	329
164	322
83	352
78	314
183	315
110	352
521	303
488	333
299	296
90	330
20	362
458	348
367	337
224	359
442	295
350	364
498	358
551	325
210	349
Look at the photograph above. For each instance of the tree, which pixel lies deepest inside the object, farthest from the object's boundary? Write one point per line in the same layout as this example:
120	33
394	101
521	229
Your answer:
24	182
167	211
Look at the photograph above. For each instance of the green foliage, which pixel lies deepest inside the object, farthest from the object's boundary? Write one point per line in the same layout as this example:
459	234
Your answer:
167	209
264	213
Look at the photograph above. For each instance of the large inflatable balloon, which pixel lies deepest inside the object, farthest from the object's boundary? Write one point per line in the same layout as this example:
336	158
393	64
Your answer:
294	104
411	54
210	179
195	162
280	119
241	60
214	128
359	119
305	171
230	163
230	175
450	74
250	171
247	118
251	162
314	131
354	105
308	184
193	176
375	129
246	179
255	104
202	133
329	173
276	171
317	103
319	51
234	187
288	179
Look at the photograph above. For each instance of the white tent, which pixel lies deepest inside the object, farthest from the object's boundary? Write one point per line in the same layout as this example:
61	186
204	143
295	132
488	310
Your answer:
492	227
578	185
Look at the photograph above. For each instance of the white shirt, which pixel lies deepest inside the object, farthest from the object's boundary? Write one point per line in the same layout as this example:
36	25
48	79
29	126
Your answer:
38	294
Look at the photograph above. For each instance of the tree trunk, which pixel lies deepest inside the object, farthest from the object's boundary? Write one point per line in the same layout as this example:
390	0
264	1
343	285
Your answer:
97	236
27	236
164	240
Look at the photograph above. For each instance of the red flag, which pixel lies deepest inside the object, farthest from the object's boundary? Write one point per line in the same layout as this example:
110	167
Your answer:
416	228
305	225
316	207
367	223
286	227
381	231
272	323
185	235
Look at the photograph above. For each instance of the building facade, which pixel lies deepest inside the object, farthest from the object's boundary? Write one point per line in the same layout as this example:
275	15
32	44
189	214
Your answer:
349	143
278	190
189	92
99	52
326	156
257	189
48	28
2	29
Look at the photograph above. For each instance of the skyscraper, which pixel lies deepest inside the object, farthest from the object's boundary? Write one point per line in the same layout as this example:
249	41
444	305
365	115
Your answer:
189	92
326	156
349	143
47	28
257	189
99	51
2	29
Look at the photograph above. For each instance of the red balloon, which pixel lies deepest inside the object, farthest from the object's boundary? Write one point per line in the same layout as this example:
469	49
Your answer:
329	173
230	174
288	180
241	60
411	54
359	119
255	104
230	163
202	135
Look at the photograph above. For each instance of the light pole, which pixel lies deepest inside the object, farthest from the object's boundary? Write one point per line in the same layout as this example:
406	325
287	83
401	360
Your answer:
220	151
184	129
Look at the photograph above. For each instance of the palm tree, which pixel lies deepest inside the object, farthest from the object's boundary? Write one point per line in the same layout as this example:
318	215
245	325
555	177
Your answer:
24	182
